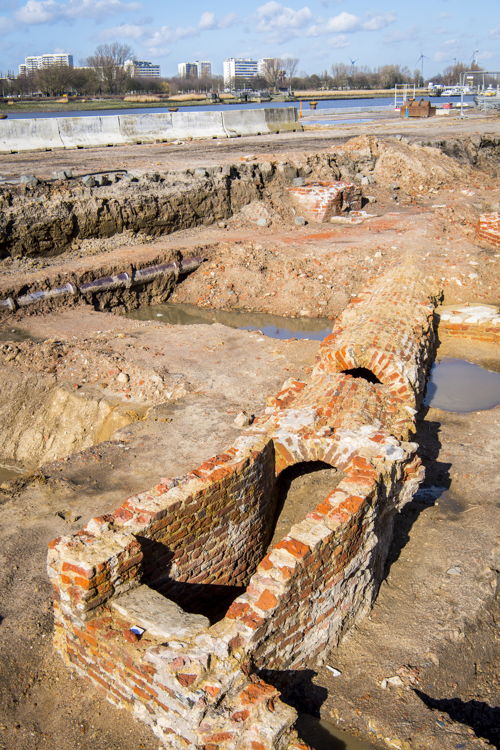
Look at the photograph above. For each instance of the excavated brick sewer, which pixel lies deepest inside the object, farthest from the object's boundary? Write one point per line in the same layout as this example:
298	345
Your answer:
204	536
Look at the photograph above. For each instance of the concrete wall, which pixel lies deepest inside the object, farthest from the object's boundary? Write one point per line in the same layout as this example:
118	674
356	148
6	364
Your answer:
79	132
195	685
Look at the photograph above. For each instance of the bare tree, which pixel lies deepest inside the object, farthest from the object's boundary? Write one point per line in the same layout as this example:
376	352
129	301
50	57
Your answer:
289	65
107	61
273	72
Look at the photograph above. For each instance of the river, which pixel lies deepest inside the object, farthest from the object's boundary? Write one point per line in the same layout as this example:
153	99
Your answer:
365	103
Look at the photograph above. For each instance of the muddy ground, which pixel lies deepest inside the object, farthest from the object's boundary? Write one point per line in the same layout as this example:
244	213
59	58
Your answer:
431	629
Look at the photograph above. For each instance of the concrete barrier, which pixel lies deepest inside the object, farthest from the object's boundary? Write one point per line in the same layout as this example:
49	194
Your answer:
29	134
107	130
146	128
197	125
78	132
281	119
244	122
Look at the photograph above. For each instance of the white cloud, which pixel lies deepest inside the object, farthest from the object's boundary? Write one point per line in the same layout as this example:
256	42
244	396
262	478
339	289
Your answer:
207	20
343	22
348	23
49	11
495	33
125	31
273	16
339	41
381	21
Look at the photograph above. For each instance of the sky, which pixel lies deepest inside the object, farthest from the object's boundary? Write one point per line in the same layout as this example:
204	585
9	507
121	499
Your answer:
317	32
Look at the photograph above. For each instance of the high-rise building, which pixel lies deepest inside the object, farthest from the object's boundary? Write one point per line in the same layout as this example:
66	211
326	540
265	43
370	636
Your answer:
142	69
238	70
204	68
35	62
187	70
263	63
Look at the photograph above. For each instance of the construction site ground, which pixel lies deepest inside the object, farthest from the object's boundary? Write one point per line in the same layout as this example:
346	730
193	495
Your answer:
419	672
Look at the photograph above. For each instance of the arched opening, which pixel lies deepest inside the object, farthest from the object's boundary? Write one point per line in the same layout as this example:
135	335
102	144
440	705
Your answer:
362	372
298	490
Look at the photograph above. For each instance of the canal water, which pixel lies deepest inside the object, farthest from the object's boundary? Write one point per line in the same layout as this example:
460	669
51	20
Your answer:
460	386
274	326
386	102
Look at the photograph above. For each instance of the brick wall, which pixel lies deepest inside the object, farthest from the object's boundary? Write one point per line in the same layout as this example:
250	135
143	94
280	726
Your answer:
388	329
478	322
194	683
325	573
319	201
488	228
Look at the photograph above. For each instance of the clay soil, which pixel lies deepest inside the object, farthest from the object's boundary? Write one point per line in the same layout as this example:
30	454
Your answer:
432	629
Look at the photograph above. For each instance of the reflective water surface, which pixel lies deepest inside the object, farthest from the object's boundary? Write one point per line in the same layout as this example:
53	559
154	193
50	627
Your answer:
9	470
368	102
274	326
321	735
460	386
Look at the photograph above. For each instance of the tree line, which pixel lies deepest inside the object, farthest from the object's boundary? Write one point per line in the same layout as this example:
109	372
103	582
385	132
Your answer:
104	75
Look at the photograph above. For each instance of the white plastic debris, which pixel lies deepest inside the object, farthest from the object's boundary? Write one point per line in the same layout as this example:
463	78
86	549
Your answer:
335	672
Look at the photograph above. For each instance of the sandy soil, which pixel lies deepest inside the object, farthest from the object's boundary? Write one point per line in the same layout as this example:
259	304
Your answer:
429	627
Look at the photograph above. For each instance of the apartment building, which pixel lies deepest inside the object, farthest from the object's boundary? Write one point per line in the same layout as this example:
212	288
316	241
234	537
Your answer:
187	70
196	69
35	62
237	70
142	69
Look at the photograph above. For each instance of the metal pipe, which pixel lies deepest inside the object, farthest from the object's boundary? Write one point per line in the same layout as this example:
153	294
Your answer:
9	303
151	272
191	264
42	295
105	283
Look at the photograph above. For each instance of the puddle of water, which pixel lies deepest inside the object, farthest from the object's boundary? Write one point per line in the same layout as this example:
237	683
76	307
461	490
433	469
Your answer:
13	334
9	470
460	386
274	326
321	735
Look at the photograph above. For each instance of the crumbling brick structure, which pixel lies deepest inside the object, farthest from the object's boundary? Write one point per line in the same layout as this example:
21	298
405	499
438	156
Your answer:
207	671
320	201
489	228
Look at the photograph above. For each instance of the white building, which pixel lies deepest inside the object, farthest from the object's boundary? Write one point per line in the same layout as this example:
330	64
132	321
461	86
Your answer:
141	69
196	69
204	68
35	62
187	70
237	70
262	64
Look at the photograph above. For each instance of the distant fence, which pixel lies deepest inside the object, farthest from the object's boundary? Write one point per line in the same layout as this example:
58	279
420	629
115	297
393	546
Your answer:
47	133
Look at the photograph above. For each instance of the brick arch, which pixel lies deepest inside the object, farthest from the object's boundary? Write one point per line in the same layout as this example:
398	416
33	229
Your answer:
382	364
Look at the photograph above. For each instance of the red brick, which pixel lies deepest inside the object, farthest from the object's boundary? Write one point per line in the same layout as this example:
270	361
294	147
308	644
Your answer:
267	600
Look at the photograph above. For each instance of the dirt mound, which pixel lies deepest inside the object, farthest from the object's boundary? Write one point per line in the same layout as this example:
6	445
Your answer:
417	167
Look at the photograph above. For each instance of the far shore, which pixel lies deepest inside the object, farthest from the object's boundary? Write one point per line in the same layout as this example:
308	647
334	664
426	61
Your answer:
186	100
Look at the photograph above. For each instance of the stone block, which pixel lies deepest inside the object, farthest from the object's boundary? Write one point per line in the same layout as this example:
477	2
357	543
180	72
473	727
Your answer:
157	615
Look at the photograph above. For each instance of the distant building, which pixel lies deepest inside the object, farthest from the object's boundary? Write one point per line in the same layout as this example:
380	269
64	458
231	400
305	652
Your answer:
263	63
204	68
142	69
187	70
238	70
36	62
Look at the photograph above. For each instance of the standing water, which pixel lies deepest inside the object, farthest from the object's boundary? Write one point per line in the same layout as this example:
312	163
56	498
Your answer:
321	735
274	326
460	386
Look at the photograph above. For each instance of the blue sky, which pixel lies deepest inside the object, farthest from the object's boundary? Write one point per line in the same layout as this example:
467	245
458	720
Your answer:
317	32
